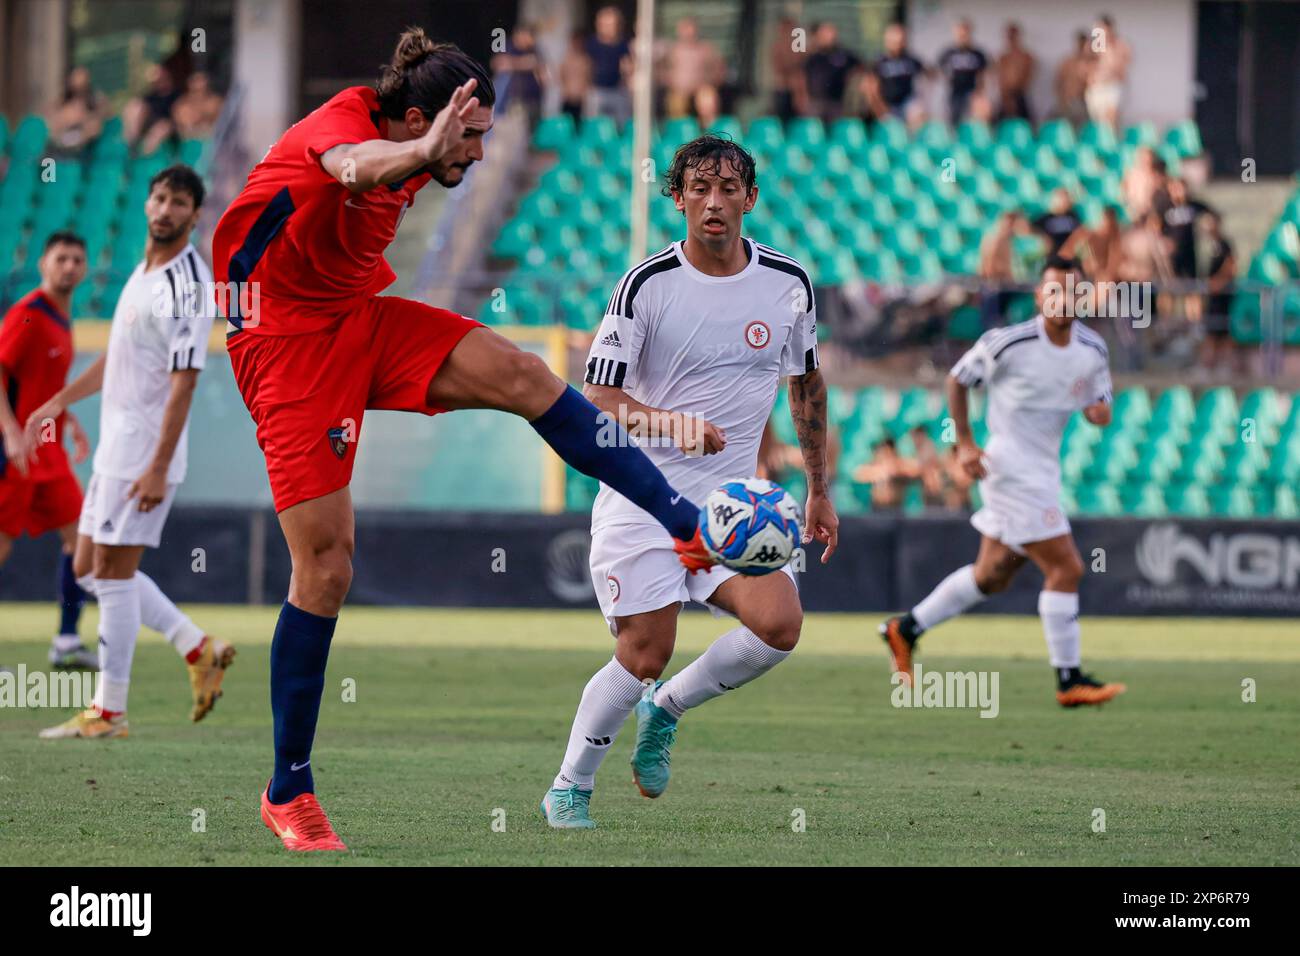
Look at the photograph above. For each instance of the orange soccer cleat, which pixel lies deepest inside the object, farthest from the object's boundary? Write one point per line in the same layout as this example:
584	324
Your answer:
692	554
1085	690
900	648
301	823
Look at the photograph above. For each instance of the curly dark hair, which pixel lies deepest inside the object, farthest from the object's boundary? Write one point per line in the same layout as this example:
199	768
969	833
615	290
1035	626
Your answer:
181	178
707	153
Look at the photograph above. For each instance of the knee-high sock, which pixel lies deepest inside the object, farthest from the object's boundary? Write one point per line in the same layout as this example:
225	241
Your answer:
158	613
606	701
1060	613
735	658
119	624
581	434
956	593
299	652
71	598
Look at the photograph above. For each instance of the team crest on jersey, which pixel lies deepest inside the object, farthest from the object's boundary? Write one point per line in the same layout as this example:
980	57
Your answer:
757	334
338	442
614	588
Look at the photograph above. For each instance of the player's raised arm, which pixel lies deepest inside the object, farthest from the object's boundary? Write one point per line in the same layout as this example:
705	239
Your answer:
378	162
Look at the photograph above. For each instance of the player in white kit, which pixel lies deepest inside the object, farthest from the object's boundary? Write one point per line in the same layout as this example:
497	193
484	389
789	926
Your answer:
157	346
688	359
1037	374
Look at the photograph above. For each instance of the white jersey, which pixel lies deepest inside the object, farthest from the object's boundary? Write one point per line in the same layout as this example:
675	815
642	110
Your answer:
711	346
1033	387
160	326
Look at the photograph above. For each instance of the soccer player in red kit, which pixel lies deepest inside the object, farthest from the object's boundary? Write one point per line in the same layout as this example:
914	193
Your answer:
315	346
38	491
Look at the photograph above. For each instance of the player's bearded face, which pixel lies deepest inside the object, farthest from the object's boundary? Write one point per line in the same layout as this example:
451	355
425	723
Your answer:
449	170
171	214
715	201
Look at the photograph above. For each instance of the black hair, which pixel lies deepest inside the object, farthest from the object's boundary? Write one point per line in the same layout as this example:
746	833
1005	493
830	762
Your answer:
182	179
424	74
1058	261
707	153
63	237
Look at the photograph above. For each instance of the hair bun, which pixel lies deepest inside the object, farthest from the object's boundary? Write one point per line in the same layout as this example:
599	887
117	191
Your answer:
412	47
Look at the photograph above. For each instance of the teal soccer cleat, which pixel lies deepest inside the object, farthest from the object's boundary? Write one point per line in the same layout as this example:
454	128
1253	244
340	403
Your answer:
656	729
568	809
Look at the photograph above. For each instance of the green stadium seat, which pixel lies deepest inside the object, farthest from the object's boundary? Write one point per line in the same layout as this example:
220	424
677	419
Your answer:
1017	134
29	139
1285	504
849	132
1145	500
1098	500
554	133
1058	136
1189	501
765	133
1231	501
1185	138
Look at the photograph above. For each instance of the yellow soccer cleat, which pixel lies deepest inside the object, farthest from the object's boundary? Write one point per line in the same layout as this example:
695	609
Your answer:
88	723
206	675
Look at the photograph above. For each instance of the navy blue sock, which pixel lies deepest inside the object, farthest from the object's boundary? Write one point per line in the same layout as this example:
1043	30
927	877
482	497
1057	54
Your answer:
571	427
71	597
298	654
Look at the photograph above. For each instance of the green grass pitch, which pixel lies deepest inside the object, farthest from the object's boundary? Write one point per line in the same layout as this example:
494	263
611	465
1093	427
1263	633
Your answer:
461	717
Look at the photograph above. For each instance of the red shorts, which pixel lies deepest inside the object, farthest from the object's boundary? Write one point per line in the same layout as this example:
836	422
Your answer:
38	505
308	393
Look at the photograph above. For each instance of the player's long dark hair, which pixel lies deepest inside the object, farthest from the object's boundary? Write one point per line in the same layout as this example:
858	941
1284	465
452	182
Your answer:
424	74
708	153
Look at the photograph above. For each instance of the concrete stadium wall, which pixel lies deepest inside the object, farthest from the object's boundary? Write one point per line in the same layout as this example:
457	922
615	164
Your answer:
1162	567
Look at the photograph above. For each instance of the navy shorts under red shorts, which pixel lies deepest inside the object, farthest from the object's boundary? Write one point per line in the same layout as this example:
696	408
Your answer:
308	393
36	506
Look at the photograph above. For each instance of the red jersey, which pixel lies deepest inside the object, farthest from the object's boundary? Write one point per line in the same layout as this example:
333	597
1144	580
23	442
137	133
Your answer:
311	245
35	355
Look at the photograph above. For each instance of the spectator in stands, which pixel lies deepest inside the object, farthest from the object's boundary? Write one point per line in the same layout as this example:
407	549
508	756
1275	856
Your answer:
929	466
1143	186
963	65
691	65
708	105
1180	226
997	265
196	112
1072	81
1145	261
826	72
1218	348
1098	250
786	64
889	474
79	116
575	76
1016	68
897	72
1059	222
777	460
520	73
955	494
610	53
1109	71
147	119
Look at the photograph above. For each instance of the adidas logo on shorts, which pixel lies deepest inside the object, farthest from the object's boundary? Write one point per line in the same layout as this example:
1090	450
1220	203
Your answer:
107	526
612	340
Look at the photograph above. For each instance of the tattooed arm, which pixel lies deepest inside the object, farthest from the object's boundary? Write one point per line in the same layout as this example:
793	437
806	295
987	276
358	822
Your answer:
808	409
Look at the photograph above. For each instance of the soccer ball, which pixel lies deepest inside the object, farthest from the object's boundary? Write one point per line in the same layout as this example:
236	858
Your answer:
750	525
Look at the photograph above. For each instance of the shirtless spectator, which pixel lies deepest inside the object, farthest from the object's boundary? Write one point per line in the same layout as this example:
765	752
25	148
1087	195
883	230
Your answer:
1105	92
690	66
1143	186
196	112
1145	260
889	474
1097	249
1072	81
79	116
996	266
575	76
1016	68
789	97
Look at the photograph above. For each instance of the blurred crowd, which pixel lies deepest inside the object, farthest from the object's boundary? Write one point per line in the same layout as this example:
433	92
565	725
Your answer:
169	108
1164	236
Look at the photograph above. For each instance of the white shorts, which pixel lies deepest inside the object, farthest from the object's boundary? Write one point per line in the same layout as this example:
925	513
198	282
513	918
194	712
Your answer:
635	569
1016	515
108	516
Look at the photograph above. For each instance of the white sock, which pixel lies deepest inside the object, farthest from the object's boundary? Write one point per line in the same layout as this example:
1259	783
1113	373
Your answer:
956	593
606	701
735	658
1060	613
63	643
119	624
158	613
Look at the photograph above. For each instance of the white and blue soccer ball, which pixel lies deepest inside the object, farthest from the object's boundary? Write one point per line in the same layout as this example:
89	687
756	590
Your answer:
750	525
